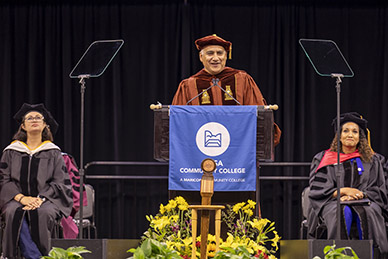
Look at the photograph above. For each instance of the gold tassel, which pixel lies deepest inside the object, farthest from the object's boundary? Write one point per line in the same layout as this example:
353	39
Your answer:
368	132
368	136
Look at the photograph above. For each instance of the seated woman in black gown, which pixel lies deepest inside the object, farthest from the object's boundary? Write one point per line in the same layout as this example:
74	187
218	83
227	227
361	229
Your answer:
363	192
35	189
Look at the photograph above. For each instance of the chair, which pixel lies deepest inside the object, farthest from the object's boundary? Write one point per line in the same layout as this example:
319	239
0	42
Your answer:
1	235
321	230
88	214
305	205
58	230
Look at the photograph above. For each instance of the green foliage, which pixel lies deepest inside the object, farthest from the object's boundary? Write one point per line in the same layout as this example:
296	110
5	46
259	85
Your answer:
152	249
237	253
340	253
70	253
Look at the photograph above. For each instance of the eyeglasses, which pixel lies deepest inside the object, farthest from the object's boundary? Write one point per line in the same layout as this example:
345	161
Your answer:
36	118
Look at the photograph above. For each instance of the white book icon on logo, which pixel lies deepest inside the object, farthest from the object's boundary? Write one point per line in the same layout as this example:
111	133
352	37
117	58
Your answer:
212	140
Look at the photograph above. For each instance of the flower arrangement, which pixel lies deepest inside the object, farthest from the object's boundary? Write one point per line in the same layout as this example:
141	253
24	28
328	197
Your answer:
257	235
172	225
247	236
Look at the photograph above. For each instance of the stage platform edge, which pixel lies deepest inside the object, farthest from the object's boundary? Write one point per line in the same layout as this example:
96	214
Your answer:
307	249
100	248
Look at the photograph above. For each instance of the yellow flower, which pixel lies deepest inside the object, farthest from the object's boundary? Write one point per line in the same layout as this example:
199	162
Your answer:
170	244
275	240
259	224
235	241
174	218
249	212
172	204
229	240
183	206
149	218
249	244
211	250
211	238
162	209
180	200
238	206
252	203
160	223
255	246
187	241
168	207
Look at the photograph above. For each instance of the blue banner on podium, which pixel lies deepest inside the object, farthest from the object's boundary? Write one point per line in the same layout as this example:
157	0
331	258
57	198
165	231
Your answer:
227	134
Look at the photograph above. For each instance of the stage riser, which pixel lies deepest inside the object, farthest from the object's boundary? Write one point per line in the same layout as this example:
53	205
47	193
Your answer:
289	249
307	249
100	248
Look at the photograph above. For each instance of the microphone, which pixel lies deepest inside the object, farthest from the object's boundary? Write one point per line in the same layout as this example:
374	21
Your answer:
215	83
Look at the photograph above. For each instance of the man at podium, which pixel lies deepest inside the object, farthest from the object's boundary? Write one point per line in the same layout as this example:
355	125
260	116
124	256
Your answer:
204	88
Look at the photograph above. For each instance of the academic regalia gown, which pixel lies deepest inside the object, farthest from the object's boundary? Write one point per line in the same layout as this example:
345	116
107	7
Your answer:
40	172
323	183
238	83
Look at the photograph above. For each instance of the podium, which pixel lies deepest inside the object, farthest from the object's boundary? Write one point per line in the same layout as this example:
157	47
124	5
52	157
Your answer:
264	153
264	143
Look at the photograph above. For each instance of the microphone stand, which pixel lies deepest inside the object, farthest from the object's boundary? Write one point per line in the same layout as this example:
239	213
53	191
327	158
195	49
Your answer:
81	169
337	173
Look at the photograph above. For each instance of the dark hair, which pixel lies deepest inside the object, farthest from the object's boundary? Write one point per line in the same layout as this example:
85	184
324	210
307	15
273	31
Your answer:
363	147
21	134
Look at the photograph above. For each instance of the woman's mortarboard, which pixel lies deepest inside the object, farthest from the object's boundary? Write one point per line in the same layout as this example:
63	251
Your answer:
48	118
356	118
351	117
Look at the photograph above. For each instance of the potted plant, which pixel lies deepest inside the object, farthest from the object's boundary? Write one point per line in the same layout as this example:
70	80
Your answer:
338	253
151	249
70	253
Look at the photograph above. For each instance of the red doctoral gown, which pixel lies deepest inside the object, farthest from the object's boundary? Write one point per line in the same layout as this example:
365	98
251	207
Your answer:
238	83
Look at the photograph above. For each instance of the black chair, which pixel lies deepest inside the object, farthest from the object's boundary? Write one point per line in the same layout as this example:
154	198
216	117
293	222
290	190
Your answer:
88	214
2	224
58	229
305	204
321	230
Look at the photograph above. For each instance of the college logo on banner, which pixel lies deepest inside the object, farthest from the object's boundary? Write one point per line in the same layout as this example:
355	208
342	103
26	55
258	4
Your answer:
213	139
227	134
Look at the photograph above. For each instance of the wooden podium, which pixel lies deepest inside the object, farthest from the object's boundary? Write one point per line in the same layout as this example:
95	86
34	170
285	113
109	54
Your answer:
264	153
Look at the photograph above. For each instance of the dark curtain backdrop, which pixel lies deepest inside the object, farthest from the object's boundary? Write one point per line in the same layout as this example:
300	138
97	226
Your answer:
41	41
